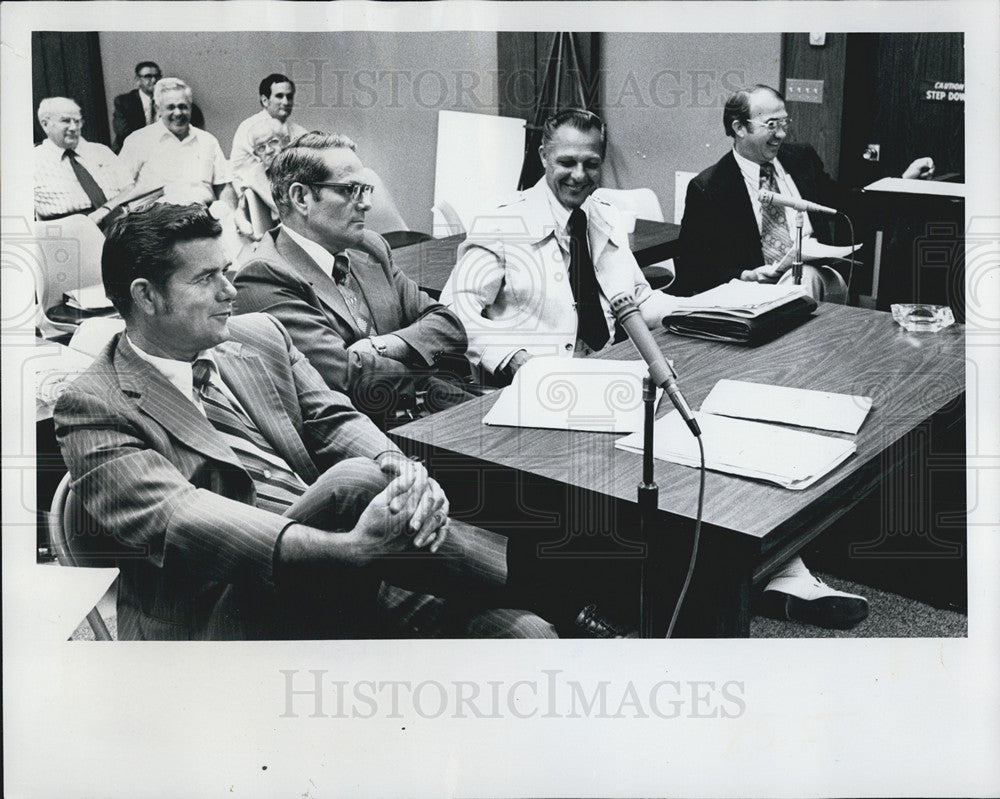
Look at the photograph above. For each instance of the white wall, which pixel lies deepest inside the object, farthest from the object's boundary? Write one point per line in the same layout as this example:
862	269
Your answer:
663	96
382	89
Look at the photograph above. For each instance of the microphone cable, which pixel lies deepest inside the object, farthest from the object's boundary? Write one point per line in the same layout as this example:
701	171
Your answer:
854	249
694	545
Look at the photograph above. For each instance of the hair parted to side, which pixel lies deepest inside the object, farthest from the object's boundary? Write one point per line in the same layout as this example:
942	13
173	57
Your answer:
738	106
169	85
302	162
141	245
270	80
579	118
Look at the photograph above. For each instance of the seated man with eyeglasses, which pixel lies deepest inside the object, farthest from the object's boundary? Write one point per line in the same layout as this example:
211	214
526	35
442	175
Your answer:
367	328
726	233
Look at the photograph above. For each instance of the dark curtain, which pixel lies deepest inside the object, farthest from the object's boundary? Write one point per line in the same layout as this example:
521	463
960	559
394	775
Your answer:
69	65
541	73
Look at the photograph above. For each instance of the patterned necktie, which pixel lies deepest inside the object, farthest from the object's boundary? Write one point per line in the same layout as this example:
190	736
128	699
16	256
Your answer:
591	326
351	293
775	240
277	485
94	193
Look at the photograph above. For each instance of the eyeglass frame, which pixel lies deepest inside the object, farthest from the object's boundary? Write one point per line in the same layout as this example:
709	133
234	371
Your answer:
276	141
784	123
357	189
156	75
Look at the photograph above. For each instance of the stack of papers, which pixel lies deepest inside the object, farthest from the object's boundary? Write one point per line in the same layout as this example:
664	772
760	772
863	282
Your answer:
739	298
788	458
573	394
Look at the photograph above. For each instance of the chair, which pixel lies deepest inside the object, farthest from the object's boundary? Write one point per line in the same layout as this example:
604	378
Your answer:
641	204
76	541
681	180
68	253
446	220
636	203
463	178
404	238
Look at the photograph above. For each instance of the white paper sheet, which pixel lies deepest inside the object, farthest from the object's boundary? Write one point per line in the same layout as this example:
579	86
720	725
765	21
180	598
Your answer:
937	188
824	410
88	298
573	394
790	458
813	250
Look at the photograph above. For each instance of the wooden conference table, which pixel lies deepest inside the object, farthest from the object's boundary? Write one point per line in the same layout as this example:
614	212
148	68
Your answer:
570	488
429	263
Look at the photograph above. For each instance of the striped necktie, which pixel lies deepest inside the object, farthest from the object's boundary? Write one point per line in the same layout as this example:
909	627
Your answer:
278	486
351	292
775	240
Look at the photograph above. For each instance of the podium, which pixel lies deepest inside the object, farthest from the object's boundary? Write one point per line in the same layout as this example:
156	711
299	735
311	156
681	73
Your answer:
919	242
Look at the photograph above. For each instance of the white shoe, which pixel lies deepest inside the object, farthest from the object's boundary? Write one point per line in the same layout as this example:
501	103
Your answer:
798	595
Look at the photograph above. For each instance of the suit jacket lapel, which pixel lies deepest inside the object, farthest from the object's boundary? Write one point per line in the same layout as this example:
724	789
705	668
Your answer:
384	307
745	218
322	284
246	376
159	398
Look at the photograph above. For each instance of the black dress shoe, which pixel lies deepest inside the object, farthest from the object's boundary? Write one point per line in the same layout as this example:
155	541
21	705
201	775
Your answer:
591	624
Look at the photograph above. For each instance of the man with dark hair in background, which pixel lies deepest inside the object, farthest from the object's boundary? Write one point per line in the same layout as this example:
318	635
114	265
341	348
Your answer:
136	109
276	94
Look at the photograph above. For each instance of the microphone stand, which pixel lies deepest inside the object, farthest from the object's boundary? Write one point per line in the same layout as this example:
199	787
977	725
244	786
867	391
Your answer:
648	498
797	266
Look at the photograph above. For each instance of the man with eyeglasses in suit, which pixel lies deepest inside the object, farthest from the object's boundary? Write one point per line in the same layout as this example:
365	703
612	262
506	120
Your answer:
726	233
367	328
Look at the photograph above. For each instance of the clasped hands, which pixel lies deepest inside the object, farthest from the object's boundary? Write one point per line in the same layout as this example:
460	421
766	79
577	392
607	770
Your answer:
416	504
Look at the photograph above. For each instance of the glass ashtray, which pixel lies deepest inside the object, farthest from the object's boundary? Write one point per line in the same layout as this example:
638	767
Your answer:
919	318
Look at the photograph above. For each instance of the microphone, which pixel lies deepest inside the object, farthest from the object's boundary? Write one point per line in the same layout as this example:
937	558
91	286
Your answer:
766	197
660	371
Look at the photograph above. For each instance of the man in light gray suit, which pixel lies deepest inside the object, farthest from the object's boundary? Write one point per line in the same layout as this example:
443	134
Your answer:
261	504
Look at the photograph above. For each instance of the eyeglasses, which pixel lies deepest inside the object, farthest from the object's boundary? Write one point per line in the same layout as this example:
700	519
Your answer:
350	191
150	76
276	143
773	124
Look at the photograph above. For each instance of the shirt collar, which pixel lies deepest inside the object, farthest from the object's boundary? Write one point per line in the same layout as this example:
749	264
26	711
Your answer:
323	258
165	131
751	169
560	213
177	373
57	152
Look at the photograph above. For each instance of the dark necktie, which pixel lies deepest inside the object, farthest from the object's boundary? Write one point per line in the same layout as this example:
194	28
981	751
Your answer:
152	113
775	240
278	486
351	292
591	326
94	193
